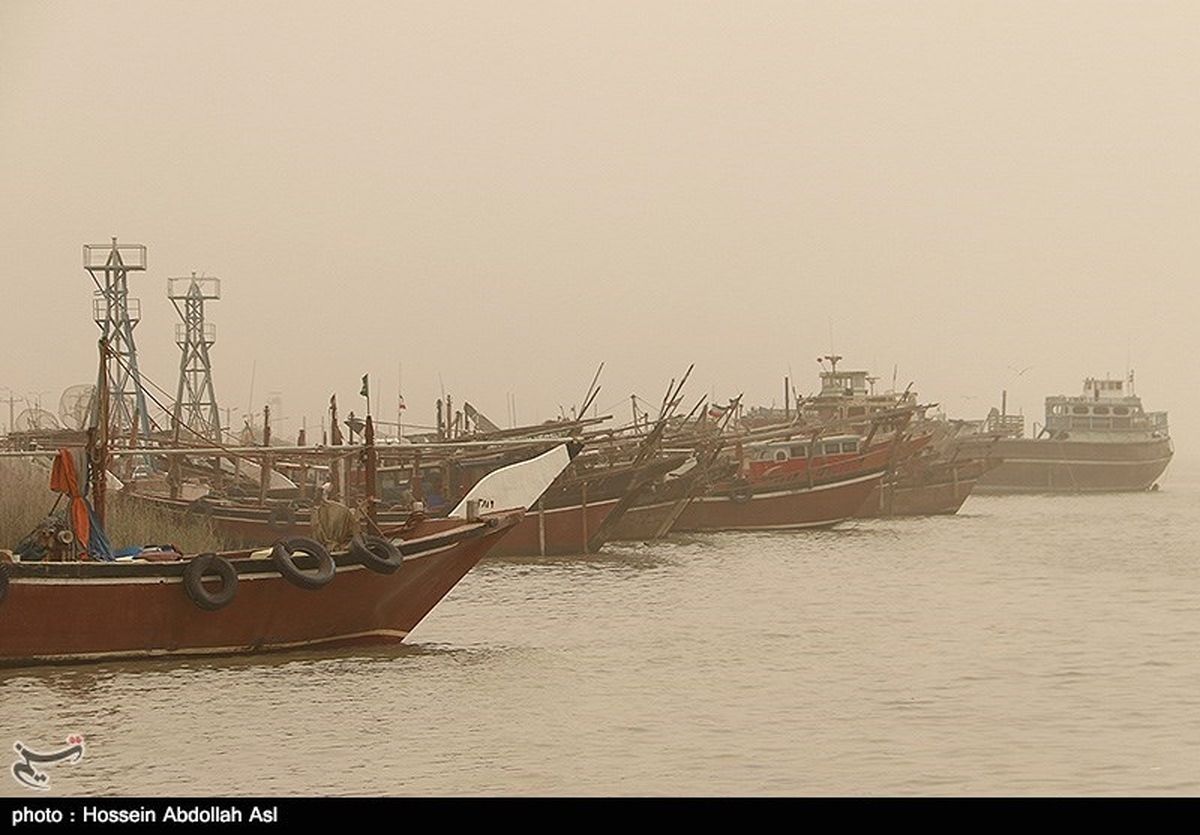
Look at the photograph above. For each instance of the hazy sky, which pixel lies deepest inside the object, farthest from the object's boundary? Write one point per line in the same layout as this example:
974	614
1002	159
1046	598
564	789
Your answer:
502	195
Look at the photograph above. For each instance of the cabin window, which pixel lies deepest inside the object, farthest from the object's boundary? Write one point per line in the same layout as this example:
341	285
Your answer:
781	455
856	411
799	452
1120	410
1080	410
1058	410
1100	410
832	449
850	446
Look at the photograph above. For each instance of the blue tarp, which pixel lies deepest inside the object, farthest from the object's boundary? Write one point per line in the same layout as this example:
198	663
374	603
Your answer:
98	545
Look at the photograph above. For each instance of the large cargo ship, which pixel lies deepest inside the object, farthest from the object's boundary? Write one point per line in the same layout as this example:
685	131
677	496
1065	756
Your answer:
1101	441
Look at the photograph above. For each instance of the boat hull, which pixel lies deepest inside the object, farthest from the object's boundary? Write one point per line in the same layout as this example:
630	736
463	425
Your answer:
556	531
649	521
74	612
1048	466
890	500
780	507
940	492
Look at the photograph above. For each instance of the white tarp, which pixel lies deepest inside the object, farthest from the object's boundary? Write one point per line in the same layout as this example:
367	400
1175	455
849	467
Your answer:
253	473
517	486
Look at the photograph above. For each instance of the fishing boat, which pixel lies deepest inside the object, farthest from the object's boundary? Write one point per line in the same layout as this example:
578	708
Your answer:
793	483
656	510
86	606
936	478
926	487
575	515
819	502
1100	441
582	510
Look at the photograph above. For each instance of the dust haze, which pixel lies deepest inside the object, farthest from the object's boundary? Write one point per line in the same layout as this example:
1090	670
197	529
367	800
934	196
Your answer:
969	196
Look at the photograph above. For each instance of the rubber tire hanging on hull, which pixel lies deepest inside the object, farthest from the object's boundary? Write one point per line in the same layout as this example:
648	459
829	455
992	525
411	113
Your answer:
283	551
3	582
376	553
741	492
193	576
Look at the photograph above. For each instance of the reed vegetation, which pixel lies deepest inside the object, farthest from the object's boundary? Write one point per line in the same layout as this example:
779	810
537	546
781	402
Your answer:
26	499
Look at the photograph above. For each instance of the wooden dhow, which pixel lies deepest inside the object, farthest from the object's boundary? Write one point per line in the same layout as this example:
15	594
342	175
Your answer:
295	594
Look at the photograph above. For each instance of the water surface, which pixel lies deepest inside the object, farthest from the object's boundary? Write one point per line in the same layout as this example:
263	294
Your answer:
1028	645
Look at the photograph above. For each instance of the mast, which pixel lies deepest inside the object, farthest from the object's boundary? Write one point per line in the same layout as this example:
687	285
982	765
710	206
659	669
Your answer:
98	440
372	462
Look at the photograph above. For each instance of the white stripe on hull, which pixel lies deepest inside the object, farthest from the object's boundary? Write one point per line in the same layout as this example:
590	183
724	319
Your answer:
659	506
126	581
1034	490
794	526
1071	462
797	491
397	634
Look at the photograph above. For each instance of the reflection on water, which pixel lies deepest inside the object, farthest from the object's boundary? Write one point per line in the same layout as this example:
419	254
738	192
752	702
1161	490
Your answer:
1028	645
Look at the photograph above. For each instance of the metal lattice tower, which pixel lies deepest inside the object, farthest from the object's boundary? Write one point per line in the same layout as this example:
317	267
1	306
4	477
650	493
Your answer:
195	400
117	314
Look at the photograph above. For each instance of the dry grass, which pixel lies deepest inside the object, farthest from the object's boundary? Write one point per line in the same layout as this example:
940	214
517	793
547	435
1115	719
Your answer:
26	499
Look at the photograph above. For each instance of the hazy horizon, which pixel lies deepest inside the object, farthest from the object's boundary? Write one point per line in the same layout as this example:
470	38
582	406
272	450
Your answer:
500	198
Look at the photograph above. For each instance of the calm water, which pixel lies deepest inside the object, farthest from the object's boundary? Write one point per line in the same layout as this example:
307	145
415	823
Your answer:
1029	645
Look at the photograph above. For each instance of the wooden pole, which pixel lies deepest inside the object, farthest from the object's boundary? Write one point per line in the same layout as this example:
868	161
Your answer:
584	508
100	443
371	465
335	438
265	461
418	489
541	506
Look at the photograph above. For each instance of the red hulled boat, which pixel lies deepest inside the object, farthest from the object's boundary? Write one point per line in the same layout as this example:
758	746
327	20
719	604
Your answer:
296	595
819	503
578	514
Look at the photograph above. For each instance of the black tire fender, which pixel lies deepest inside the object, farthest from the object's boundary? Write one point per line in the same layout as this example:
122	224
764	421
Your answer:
3	581
283	553
193	576
376	553
741	492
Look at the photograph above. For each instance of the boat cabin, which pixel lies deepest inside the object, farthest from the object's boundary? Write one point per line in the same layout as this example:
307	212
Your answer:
789	450
844	384
851	394
1104	406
